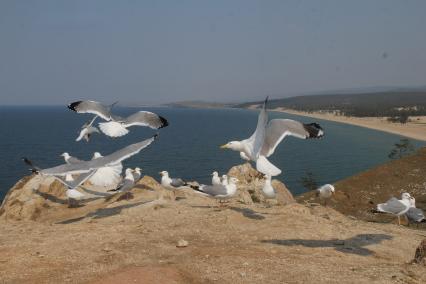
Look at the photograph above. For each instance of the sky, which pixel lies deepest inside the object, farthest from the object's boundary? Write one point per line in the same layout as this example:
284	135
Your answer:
153	52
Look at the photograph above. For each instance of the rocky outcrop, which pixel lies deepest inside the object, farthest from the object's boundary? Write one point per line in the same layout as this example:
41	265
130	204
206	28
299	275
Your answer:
34	197
251	183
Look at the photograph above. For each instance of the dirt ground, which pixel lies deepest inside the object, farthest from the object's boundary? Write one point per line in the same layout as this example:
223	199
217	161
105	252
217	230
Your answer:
135	241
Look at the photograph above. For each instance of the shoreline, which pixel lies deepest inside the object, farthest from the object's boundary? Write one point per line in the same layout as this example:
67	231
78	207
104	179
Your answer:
414	129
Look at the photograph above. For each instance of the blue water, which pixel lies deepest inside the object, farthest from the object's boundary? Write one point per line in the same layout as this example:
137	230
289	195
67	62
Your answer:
189	147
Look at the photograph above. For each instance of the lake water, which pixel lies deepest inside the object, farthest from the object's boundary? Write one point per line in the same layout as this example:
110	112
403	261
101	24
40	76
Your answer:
189	146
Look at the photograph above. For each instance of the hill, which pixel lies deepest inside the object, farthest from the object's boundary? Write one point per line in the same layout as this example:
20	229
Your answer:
151	238
357	195
376	104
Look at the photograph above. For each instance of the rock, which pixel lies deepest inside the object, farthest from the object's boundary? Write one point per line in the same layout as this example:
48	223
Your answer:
251	183
32	196
420	254
182	244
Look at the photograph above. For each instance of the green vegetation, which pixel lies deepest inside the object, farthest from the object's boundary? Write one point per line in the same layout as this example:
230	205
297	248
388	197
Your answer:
401	149
396	104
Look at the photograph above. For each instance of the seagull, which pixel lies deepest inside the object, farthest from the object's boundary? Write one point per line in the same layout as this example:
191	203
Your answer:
127	183
88	166
220	192
415	215
69	160
267	190
106	176
224	180
395	206
87	130
137	174
266	138
325	192
116	126
216	178
172	183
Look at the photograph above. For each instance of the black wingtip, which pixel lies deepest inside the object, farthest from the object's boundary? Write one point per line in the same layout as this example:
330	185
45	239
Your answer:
33	168
164	122
73	105
156	136
314	130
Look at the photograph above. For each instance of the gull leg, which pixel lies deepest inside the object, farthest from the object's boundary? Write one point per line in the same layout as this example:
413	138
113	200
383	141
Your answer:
399	221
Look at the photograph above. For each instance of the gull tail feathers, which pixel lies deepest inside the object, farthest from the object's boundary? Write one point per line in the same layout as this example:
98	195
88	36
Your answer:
113	129
266	167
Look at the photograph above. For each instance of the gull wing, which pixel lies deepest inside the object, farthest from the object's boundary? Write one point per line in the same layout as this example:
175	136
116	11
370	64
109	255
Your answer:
91	107
415	214
214	190
258	137
145	118
393	206
278	129
110	160
77	181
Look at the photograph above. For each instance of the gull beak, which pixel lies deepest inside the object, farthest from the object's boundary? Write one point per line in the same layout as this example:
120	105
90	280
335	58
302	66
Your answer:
225	146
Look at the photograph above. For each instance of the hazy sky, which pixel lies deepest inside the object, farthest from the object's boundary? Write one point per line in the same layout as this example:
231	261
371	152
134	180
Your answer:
54	52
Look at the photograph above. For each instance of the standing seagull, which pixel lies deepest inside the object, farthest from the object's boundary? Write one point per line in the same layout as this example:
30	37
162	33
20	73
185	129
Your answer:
127	183
266	138
171	183
325	192
69	160
415	215
220	192
224	180
116	126
267	190
216	178
87	130
137	174
395	206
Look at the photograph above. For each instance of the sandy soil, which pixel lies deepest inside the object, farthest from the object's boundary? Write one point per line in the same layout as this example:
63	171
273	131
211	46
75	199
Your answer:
415	129
135	241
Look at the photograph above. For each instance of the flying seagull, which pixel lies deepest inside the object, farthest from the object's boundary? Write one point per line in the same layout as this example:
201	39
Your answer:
116	126
266	138
106	176
395	206
171	183
88	166
325	192
220	192
215	178
87	130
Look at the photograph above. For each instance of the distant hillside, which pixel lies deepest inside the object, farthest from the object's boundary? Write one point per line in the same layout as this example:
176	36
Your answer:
390	103
358	194
198	104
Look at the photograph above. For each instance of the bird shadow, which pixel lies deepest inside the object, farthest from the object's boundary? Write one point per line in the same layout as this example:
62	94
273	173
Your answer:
248	213
51	197
355	245
58	200
103	212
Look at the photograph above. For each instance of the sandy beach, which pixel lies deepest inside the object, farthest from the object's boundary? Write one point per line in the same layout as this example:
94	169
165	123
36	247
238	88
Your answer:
415	129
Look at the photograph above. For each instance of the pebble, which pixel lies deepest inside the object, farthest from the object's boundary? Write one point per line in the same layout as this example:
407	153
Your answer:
182	244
